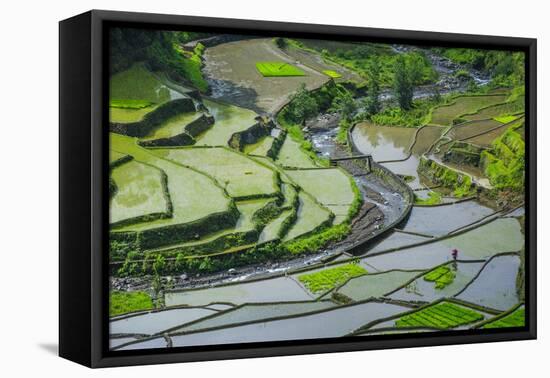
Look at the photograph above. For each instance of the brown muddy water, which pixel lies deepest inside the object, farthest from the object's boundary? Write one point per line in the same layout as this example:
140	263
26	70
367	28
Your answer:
230	69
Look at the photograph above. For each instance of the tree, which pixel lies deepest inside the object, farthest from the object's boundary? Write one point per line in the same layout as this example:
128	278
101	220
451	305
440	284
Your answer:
344	104
302	105
402	83
281	42
372	101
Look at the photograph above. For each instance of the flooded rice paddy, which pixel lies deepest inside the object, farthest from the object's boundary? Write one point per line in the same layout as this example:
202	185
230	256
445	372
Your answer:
278	306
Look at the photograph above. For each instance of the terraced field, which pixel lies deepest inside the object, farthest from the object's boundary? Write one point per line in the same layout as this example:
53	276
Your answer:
209	223
187	188
229	120
140	193
240	176
443	315
144	89
462	105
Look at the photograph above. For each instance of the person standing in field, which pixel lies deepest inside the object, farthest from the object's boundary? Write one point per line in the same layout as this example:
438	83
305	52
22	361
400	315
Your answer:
454	254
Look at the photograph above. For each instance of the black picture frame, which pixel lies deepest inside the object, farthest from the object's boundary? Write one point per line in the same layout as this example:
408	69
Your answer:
83	166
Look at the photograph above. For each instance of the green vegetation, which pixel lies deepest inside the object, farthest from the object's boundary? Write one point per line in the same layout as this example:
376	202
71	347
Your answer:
443	315
194	195
372	101
252	218
138	85
312	243
121	302
506	118
418	115
332	74
403	84
359	56
506	67
434	198
345	105
329	278
504	164
160	50
278	69
514	319
441	276
461	184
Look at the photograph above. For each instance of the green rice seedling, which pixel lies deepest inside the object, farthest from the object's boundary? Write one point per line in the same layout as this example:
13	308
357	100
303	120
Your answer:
329	278
443	315
514	319
278	69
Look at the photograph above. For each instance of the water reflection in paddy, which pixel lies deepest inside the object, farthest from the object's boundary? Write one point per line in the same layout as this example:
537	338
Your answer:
422	290
332	323
497	236
496	285
383	142
440	220
153	322
273	290
394	143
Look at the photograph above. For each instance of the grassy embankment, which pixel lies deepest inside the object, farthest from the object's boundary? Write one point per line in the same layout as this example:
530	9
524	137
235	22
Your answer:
121	302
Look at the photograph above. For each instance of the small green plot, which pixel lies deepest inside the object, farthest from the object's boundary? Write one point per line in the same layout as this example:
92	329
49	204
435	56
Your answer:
443	315
329	278
441	276
332	74
506	118
121	302
278	69
514	319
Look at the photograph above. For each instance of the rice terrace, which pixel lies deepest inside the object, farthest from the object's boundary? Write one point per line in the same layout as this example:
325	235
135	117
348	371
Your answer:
266	189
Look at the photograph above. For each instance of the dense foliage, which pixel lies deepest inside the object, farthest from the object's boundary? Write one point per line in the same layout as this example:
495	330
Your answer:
160	50
506	68
359	57
504	164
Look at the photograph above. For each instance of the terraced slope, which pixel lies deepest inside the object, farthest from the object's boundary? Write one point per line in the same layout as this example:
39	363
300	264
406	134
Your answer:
444	115
194	195
240	176
331	187
141	193
137	84
229	120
